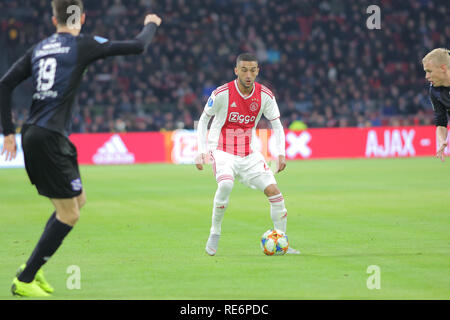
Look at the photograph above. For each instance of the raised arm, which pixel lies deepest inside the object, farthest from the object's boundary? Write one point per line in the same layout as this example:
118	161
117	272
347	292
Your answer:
140	43
99	48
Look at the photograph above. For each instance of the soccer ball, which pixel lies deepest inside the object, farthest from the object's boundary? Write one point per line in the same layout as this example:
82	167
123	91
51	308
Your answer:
274	242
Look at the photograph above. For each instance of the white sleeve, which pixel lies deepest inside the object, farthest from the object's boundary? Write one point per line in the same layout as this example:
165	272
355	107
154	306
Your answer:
211	105
271	111
202	131
279	136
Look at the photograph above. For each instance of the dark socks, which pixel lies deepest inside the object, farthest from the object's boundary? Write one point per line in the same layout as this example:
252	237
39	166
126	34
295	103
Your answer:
54	233
52	217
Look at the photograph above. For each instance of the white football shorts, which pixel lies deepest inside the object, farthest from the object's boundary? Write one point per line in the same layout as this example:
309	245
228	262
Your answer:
251	170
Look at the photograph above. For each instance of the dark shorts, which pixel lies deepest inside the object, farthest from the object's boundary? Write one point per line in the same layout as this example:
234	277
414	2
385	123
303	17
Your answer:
51	163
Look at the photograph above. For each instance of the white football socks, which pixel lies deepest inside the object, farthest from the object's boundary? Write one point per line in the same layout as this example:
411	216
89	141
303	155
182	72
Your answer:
278	212
223	192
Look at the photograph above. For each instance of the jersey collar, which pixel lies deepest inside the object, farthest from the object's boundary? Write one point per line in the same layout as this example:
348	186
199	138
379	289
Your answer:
240	93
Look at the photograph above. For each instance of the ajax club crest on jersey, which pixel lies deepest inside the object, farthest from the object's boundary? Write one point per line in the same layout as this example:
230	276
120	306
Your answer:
254	106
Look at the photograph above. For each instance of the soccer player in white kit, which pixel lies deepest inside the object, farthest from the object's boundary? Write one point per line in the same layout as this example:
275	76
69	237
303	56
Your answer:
237	108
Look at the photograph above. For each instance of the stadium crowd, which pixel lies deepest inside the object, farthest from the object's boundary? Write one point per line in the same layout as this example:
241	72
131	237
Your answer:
326	68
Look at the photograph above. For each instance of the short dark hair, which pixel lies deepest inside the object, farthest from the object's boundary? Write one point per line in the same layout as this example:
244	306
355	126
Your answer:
246	56
60	9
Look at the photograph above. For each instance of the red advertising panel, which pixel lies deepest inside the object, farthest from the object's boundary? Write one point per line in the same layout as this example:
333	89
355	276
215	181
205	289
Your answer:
119	148
181	146
320	143
361	142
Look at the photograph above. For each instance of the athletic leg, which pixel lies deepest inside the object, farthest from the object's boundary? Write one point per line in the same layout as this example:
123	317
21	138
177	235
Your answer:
51	164
263	179
221	198
222	166
224	188
278	211
67	214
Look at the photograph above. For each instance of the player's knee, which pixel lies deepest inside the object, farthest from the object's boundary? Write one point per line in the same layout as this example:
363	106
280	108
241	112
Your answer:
271	190
223	192
74	217
69	212
225	186
69	217
81	200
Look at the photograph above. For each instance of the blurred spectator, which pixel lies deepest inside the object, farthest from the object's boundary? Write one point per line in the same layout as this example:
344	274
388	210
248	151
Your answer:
296	123
117	9
389	109
324	66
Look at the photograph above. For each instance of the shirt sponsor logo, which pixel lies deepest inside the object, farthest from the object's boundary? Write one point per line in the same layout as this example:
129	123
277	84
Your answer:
240	118
46	52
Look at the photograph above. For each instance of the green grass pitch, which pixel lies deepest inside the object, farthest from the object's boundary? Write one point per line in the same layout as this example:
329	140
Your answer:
143	231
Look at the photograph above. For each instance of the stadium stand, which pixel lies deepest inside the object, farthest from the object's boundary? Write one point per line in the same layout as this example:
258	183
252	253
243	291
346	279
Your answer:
326	68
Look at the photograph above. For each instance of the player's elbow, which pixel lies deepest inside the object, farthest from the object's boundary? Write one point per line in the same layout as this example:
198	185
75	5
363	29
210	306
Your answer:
276	124
140	47
204	117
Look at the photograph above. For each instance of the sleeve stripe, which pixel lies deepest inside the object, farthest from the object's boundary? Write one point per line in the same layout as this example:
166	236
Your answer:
219	90
268	92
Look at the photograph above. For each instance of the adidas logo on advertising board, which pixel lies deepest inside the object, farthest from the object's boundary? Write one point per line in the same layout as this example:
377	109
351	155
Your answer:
114	151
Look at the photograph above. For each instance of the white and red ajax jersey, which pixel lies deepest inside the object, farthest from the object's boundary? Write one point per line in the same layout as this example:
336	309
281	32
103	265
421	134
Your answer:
233	129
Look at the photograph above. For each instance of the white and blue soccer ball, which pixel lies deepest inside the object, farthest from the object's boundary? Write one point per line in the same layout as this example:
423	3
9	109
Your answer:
274	242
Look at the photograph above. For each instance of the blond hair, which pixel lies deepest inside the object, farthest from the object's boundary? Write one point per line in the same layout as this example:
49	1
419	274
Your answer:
439	56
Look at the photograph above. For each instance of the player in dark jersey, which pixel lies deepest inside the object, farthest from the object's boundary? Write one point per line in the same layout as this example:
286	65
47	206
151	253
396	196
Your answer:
437	71
56	65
